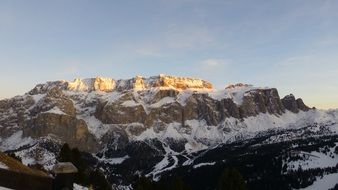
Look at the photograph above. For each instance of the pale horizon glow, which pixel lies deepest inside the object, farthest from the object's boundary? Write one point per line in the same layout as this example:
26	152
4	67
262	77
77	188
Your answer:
289	45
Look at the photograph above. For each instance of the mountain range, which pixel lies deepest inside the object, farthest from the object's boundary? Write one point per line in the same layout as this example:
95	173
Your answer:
163	126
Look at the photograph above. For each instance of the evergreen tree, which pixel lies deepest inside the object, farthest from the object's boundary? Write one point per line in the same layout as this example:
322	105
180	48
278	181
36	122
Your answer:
65	154
231	179
77	160
98	180
85	176
82	176
144	183
178	184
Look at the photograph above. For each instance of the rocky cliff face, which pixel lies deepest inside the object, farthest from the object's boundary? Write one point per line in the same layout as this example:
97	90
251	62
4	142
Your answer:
137	83
165	106
65	128
92	113
293	104
261	101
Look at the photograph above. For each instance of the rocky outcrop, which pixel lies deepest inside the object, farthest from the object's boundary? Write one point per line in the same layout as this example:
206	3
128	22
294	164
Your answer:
180	83
206	109
137	83
290	103
293	105
44	88
301	105
163	81
238	85
92	84
123	111
13	111
54	98
228	108
200	106
164	93
261	101
63	127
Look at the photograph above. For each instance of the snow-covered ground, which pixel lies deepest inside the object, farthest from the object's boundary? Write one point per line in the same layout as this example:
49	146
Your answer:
204	164
169	162
314	160
4	188
235	92
325	183
16	140
37	155
79	187
114	161
55	110
200	136
3	166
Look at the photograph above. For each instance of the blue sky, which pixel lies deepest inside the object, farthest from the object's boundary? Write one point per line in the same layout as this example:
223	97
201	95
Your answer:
289	44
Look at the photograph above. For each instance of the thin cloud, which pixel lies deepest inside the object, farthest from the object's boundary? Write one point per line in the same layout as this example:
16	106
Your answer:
210	64
297	60
180	38
188	37
151	52
329	41
72	67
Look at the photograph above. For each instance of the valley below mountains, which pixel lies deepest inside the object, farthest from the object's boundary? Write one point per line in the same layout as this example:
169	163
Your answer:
164	127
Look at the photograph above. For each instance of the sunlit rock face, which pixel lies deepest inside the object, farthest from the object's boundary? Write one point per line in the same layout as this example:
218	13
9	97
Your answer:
92	84
181	83
137	83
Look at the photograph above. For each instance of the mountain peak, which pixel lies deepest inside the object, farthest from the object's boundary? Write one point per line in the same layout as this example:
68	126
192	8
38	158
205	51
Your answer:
137	83
92	84
238	85
182	83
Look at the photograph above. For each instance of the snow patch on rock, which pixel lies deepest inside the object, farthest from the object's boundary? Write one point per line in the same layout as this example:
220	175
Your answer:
15	141
3	166
163	101
55	110
204	164
325	183
234	92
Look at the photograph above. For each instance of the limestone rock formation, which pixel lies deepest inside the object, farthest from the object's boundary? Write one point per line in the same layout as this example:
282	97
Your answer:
290	103
102	112
64	127
93	84
54	98
261	101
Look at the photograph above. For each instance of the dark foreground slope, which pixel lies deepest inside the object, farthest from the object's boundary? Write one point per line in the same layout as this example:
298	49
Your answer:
262	166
